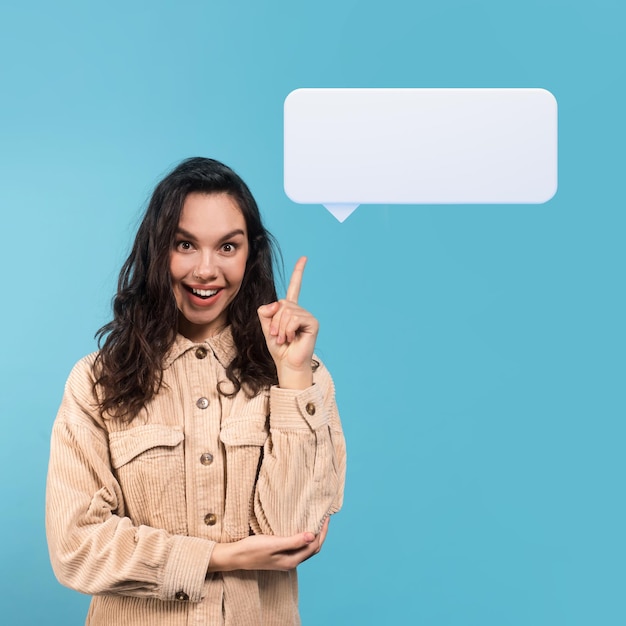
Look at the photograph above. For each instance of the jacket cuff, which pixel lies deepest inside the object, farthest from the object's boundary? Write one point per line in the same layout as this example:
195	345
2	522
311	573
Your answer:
186	568
295	409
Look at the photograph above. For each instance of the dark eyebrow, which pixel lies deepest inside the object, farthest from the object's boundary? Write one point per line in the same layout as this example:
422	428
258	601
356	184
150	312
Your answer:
232	234
184	233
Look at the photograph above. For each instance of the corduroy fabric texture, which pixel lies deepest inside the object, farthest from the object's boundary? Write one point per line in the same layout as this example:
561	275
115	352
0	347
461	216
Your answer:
134	509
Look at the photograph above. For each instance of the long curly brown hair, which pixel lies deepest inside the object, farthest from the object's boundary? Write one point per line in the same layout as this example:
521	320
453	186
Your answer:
133	345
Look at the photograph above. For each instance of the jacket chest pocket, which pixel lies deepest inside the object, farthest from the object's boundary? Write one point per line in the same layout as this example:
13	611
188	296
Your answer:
149	462
243	442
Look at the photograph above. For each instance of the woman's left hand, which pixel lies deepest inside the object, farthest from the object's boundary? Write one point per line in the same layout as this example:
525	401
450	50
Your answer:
290	333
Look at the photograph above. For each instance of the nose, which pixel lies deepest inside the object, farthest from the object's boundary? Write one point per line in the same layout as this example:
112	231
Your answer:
206	269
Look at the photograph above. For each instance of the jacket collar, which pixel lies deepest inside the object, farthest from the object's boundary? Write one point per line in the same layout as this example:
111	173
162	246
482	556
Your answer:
222	345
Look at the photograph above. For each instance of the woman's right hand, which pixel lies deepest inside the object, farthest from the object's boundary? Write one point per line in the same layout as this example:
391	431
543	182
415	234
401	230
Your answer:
290	333
267	552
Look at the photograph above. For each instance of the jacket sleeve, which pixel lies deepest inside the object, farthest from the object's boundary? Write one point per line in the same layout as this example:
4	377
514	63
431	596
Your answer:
302	472
93	547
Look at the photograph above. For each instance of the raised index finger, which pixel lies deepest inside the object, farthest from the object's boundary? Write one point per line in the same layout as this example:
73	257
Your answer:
293	291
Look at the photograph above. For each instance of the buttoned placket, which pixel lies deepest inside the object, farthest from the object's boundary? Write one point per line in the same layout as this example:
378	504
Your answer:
196	372
204	456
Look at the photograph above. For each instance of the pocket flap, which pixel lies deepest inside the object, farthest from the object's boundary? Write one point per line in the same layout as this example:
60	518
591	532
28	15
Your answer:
125	445
248	432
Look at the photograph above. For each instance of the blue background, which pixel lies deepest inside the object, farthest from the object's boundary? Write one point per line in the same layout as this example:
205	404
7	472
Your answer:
478	351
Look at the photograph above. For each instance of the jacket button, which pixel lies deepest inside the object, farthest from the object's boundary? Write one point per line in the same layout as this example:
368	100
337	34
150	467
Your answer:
201	353
310	408
206	458
202	403
210	519
181	596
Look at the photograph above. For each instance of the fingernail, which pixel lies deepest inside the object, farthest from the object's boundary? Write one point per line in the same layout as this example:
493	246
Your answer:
308	537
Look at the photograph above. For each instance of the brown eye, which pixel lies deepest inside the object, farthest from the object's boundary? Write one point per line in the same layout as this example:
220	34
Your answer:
228	247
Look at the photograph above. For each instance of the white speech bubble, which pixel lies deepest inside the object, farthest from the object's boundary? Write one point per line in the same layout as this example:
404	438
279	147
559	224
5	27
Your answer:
345	147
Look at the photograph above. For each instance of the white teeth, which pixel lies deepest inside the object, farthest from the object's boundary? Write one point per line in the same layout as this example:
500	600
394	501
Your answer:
205	293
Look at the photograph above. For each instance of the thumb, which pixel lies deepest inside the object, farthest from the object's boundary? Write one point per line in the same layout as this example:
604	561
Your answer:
301	540
266	312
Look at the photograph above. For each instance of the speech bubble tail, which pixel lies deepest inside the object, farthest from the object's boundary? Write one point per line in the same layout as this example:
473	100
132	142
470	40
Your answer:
341	211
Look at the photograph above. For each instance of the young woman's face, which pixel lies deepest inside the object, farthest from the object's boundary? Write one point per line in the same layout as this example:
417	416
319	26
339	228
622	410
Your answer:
208	262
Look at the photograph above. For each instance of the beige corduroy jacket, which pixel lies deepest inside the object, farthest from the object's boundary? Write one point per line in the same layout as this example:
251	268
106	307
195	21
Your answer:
134	509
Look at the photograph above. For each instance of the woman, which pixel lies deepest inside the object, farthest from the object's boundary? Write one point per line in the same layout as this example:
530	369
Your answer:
196	457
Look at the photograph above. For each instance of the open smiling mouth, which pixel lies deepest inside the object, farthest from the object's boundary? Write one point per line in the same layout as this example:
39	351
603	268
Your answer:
202	293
